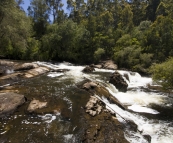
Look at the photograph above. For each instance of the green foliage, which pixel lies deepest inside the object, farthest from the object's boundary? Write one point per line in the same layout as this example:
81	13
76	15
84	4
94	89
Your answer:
159	39
98	54
133	58
162	73
64	41
134	33
15	28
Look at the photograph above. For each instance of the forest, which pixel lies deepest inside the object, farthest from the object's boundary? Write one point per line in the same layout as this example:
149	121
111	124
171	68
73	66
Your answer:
135	34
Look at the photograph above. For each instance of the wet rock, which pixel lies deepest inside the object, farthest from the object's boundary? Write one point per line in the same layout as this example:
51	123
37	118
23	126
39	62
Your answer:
90	85
9	79
9	102
109	64
126	76
88	69
6	63
25	66
101	91
103	128
131	125
35	105
117	80
97	66
148	138
36	72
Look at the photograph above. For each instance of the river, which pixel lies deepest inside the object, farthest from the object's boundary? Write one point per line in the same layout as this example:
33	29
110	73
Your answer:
152	111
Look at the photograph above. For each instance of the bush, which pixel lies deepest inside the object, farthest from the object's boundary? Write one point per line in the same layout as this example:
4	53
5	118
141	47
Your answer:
162	73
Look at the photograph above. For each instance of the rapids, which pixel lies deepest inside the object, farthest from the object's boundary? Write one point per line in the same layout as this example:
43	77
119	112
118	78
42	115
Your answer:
150	110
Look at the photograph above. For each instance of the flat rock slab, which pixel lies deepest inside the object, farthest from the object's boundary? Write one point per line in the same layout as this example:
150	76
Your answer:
9	102
25	66
36	72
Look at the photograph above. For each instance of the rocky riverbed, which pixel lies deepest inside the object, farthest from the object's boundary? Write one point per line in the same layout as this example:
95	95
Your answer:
64	103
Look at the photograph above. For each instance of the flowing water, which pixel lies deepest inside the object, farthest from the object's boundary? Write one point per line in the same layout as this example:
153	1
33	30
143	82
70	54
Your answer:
60	122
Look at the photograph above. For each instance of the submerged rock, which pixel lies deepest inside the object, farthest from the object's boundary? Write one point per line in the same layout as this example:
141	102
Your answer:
9	102
117	80
36	104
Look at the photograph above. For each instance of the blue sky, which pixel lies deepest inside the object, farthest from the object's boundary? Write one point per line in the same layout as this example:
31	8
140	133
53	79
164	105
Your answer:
27	3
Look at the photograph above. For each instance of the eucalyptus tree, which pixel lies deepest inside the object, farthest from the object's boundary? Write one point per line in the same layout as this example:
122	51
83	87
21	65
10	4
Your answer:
14	29
39	12
55	8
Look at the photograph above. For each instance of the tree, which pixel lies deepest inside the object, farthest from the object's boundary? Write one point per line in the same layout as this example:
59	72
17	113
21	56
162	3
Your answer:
151	9
55	8
65	41
15	28
162	73
39	12
159	38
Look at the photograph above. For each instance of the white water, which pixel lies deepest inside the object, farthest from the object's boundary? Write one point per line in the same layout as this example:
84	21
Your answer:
136	100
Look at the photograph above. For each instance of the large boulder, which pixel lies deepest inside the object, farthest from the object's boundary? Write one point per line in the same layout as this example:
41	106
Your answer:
117	80
9	102
25	66
101	91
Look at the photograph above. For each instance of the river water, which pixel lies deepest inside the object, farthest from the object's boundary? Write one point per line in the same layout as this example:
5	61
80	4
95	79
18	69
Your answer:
152	111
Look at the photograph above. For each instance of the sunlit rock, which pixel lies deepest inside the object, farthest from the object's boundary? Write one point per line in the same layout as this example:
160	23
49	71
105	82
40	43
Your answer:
109	64
36	104
25	66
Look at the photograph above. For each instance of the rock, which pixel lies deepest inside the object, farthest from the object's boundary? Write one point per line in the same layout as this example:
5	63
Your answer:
126	76
99	66
36	104
6	63
103	128
117	80
88	69
93	106
36	72
9	79
2	71
109	65
9	102
90	85
96	88
148	138
25	66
